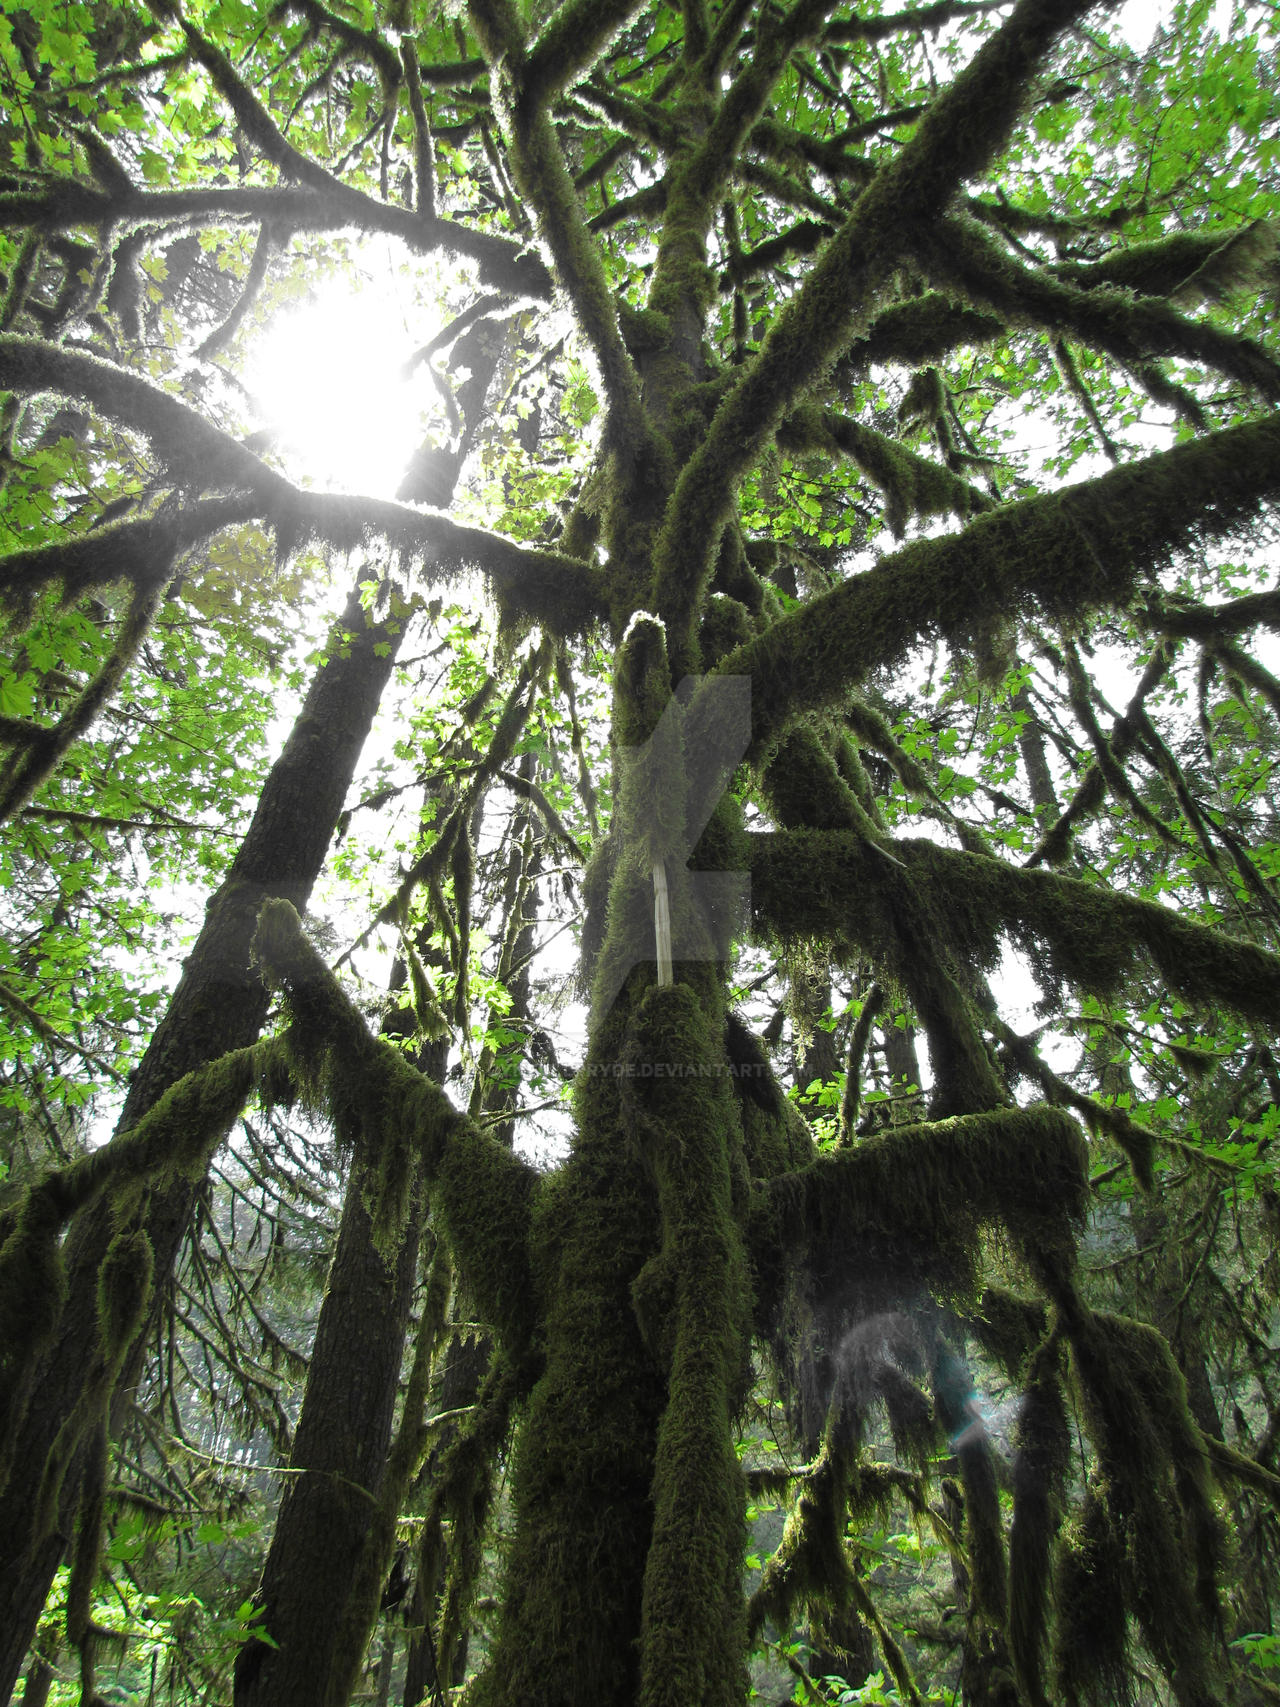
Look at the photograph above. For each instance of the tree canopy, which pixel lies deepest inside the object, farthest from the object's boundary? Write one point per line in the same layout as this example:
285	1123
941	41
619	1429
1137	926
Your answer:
639	957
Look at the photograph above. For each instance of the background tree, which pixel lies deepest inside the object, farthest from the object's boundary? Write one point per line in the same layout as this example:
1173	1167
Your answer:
759	543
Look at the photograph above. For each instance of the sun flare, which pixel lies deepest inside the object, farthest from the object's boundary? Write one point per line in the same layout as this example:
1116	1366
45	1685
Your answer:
329	378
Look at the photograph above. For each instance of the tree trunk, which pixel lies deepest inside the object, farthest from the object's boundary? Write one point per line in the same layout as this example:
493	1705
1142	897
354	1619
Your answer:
340	1450
220	1004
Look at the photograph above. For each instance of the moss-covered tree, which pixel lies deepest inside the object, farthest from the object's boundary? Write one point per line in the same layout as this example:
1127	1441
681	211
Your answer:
783	350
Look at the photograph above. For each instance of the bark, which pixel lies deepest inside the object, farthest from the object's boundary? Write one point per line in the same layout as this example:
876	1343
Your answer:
1035	760
340	1450
39	1682
220	1004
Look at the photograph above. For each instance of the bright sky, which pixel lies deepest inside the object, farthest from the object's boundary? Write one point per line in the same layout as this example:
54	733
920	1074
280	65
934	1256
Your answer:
329	372
327	375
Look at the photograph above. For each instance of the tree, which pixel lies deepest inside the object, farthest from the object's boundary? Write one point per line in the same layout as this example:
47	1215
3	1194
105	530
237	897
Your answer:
756	313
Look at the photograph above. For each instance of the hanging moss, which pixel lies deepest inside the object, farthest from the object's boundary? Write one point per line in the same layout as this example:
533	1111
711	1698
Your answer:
1138	1142
465	1487
85	1554
1063	554
1008	1327
481	1192
775	1137
1092	1635
880	1360
174	1138
124	1290
1040	1472
835	886
983	1533
810	1570
809	1567
1156	1471
902	925
908	1204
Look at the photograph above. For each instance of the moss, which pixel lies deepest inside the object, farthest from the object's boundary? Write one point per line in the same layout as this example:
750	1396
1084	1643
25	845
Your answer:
804	786
1040	1472
775	1138
1063	554
583	1462
1134	330
124	1290
725	624
810	1568
175	1137
913	486
880	1361
402	1122
908	1204
1156	1471
1092	1635
683	1122
837	887
923	329
1188	266
85	1553
902	924
983	1534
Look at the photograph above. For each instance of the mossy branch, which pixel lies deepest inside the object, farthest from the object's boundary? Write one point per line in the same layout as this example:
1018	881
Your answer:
267	244
1133	330
920	330
501	263
176	1136
544	180
1055	844
912	485
547	585
367	43
480	1190
1186	266
831	884
819	322
930	18
194	449
40	759
1208	622
692	1635
923	1191
1066	553
571	41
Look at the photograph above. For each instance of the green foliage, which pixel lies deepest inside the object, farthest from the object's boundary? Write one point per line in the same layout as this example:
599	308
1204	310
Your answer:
918	1248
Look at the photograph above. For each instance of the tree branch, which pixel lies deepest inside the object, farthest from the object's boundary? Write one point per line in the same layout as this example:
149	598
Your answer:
482	1192
820	320
1132	330
550	586
1066	553
834	884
